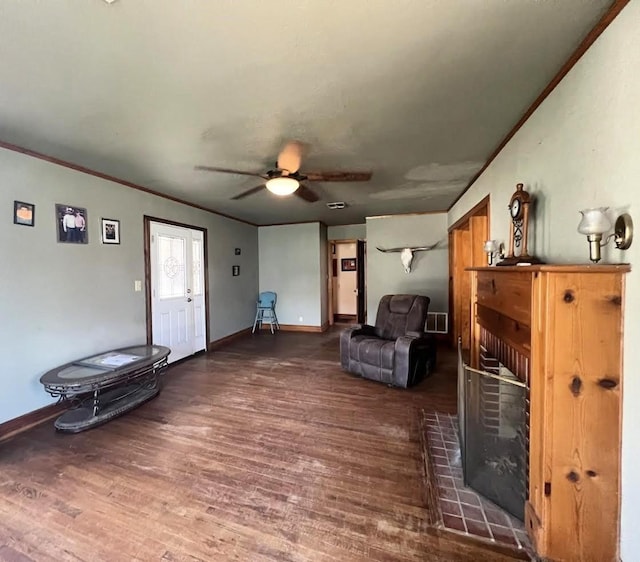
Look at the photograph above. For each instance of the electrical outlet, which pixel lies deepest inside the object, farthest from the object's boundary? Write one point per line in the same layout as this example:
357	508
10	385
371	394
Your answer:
137	285
300	319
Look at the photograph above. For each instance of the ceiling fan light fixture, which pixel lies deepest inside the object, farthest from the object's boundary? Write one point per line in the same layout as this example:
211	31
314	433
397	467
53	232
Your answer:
282	186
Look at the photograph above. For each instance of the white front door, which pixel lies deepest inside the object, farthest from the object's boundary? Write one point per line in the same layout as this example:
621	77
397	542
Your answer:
177	289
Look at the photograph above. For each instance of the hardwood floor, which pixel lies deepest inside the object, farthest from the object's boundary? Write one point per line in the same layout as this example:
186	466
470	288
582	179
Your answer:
264	450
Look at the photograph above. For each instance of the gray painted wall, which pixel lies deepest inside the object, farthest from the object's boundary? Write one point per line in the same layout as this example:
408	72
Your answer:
347	232
430	270
61	301
580	149
290	265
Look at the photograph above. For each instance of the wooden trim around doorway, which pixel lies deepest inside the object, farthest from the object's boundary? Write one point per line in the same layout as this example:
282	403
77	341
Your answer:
330	243
478	208
147	271
466	249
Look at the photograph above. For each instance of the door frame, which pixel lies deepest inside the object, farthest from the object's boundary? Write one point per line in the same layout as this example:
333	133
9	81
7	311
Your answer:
147	273
466	249
360	270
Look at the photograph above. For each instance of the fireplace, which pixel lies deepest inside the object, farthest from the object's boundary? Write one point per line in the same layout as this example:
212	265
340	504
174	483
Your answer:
493	420
556	329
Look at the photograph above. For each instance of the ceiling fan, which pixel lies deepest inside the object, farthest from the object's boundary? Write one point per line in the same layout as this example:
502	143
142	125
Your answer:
287	178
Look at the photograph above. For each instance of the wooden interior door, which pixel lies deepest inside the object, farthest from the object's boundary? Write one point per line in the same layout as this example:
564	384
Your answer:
461	287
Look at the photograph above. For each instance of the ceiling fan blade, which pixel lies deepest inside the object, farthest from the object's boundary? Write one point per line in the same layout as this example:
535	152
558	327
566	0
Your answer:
248	192
307	194
337	176
290	157
229	171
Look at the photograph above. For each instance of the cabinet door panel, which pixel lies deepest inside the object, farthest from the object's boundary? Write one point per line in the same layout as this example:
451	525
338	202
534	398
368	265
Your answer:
585	451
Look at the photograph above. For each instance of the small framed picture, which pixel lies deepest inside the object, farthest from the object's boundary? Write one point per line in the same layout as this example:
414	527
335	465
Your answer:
348	264
238	251
235	270
24	213
110	231
72	224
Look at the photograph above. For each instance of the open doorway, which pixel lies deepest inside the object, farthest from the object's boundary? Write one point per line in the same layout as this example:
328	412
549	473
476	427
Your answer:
346	282
466	249
176	283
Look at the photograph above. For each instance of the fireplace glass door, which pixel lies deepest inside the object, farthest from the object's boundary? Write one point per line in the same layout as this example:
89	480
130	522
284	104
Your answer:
495	451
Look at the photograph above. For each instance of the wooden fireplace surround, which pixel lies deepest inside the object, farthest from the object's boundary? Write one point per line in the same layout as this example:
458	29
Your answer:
567	322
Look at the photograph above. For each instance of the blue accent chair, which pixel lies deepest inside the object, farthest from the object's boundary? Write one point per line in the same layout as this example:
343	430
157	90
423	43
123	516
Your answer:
266	311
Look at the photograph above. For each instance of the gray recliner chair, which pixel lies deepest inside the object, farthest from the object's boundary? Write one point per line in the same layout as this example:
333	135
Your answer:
396	350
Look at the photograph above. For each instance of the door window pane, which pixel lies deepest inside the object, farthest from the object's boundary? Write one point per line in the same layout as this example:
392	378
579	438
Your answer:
197	267
171	261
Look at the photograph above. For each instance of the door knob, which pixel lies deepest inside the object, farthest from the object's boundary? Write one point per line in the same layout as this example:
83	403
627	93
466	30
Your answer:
189	299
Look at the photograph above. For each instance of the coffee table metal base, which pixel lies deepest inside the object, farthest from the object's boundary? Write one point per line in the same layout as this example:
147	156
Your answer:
111	404
105	386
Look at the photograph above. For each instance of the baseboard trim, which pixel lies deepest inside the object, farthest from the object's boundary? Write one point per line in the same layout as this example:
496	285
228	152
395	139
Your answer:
217	344
444	339
22	423
299	328
338	318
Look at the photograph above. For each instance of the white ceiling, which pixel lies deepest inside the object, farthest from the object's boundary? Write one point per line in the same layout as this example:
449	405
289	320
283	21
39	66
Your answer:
418	91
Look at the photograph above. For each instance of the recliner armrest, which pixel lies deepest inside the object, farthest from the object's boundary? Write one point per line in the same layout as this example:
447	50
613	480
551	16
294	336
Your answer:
362	330
403	343
407	351
345	339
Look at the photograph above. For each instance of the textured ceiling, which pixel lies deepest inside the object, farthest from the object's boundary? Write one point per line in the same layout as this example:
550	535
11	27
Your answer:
418	91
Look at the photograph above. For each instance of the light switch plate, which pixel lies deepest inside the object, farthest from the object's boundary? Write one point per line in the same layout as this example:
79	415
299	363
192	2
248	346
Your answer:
137	285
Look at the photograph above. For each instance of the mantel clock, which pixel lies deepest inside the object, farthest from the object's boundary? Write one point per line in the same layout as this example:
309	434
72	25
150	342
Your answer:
519	207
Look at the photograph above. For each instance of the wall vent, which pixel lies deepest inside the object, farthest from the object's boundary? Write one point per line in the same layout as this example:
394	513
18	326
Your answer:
437	322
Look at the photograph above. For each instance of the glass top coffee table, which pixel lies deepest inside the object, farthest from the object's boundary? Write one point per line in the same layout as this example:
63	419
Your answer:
104	386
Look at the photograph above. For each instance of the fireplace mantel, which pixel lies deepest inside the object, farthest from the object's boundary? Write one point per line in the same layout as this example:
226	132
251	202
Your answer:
560	328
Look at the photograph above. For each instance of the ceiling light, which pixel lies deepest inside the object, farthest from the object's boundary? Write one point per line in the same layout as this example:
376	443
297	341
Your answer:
336	205
282	185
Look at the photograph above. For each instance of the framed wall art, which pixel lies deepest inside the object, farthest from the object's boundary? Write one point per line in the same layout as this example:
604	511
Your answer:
24	213
72	224
348	264
110	231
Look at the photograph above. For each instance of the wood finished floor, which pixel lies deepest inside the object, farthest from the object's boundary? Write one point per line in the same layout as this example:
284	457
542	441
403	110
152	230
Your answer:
262	451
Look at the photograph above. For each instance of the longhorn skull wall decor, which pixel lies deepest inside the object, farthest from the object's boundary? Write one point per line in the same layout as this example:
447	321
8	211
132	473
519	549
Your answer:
406	254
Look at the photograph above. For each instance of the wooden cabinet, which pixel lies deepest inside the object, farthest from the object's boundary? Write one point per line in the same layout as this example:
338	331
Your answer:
561	328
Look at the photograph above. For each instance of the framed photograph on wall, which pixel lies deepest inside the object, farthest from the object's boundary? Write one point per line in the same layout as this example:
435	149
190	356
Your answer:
24	213
348	264
72	224
110	231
